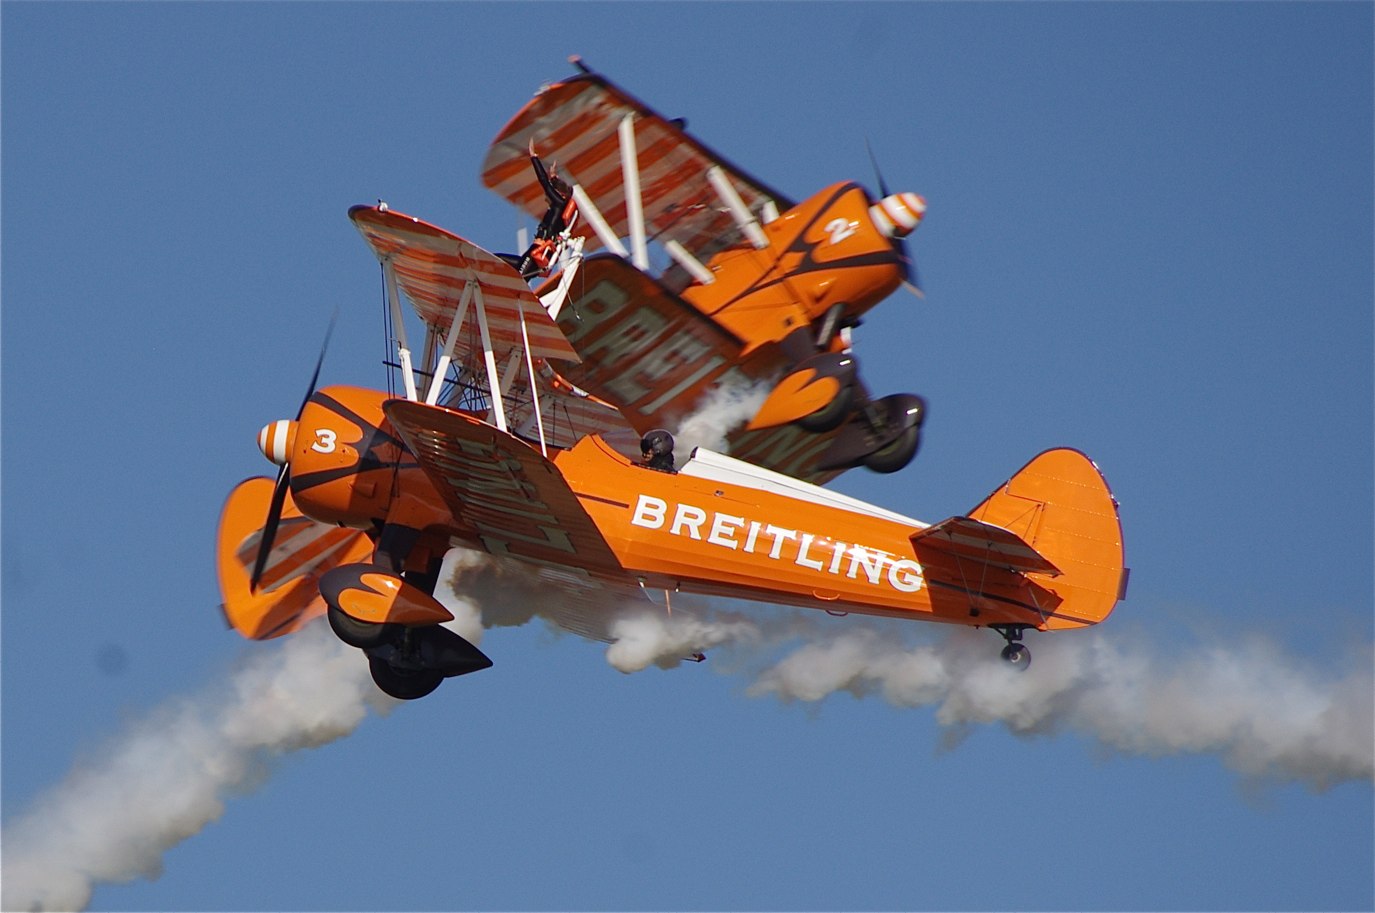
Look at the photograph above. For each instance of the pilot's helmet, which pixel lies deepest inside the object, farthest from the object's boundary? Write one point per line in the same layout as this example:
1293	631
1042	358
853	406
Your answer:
657	443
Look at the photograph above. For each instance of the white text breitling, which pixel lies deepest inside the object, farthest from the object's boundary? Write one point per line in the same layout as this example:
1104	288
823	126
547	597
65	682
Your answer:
820	553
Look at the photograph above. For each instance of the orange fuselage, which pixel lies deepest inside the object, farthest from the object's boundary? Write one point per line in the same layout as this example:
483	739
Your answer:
754	536
709	536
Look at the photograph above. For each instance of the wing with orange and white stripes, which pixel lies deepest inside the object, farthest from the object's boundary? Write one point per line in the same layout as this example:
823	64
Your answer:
461	290
436	269
584	127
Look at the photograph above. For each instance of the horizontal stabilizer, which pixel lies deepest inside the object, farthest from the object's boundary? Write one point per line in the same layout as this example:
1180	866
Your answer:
288	595
978	543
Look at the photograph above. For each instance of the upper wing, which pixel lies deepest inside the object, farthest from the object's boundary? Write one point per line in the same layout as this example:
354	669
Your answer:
659	360
575	125
515	498
436	269
433	267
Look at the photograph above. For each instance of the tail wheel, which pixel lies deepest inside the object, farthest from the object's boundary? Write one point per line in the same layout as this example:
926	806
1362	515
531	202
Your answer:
402	684
896	455
357	633
1017	655
830	416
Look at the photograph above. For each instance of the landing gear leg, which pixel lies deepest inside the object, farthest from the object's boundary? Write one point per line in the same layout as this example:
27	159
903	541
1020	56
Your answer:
1015	653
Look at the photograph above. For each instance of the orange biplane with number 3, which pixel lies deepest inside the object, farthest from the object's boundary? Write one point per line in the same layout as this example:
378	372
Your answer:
514	433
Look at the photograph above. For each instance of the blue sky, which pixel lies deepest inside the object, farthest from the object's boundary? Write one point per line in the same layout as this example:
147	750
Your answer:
1149	237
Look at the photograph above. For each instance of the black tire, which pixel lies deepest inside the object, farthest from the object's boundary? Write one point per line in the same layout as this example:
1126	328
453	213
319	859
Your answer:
897	454
355	632
1017	655
404	686
830	416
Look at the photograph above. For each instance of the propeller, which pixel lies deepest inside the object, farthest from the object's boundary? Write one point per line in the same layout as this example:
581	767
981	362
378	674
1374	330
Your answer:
910	279
274	508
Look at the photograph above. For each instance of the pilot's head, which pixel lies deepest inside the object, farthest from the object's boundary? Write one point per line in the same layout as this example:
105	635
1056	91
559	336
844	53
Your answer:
656	449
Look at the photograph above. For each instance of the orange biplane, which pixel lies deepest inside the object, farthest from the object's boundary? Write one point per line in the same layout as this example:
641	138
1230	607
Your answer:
756	292
374	489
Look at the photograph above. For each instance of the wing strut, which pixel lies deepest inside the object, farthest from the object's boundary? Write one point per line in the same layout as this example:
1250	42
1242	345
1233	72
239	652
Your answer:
634	205
498	409
403	349
572	258
430	350
598	222
688	262
534	389
738	210
450	341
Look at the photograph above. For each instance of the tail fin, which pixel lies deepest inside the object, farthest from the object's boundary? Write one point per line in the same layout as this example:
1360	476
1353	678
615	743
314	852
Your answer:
289	594
1061	506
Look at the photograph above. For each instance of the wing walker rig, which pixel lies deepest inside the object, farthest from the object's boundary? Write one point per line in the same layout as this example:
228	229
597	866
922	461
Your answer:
536	425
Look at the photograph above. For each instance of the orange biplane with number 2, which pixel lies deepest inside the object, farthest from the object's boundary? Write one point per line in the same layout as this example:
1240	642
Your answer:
758	292
487	447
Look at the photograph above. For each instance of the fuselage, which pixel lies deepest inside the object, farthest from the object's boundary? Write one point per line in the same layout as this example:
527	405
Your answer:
725	528
716	527
822	252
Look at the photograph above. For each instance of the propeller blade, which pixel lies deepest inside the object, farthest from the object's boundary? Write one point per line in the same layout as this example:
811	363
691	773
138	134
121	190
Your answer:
910	280
319	362
274	516
882	184
274	508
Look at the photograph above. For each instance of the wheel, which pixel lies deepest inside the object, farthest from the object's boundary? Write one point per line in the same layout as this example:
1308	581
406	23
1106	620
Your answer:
403	685
896	455
832	414
1017	655
356	633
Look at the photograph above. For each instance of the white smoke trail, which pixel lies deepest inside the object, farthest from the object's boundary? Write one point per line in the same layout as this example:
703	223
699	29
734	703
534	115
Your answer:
1266	714
645	638
459	563
166	778
722	410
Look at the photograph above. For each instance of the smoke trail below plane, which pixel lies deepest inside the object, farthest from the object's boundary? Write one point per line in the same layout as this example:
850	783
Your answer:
642	639
1264	713
166	777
